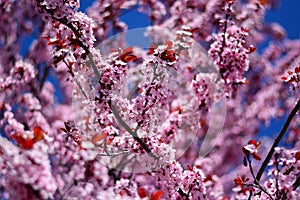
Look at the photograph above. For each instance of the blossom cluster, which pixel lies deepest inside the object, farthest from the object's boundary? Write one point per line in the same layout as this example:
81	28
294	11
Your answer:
165	121
71	34
230	54
293	78
179	183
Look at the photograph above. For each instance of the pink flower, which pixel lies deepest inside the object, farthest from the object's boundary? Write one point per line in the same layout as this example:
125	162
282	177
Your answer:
251	149
240	183
293	78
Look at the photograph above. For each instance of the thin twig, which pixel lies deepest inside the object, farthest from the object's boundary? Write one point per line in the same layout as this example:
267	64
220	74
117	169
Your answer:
65	22
255	181
132	133
92	64
277	140
76	81
277	176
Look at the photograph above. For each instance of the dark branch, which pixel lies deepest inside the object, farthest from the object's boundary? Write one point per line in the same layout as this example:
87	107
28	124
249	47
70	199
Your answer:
277	140
132	133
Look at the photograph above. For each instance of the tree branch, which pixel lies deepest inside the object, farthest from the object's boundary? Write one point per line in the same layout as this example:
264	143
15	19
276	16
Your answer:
277	140
255	181
132	133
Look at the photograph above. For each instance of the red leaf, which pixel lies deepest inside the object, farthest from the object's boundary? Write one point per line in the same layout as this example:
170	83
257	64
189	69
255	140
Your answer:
157	195
168	55
38	134
263	2
297	69
252	142
256	156
52	43
152	47
297	156
169	44
128	50
258	144
27	144
110	140
124	192
96	138
24	143
189	168
283	78
46	38
142	192
127	56
244	29
238	181
251	49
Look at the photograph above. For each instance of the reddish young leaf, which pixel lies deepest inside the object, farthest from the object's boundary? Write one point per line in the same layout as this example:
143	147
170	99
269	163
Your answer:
157	195
252	142
142	192
245	179
24	143
46	38
168	55
129	58
297	156
96	138
247	82
152	47
238	181
189	168
38	134
251	49
128	50
124	192
263	2
208	178
110	140
127	55
256	156
244	29
169	44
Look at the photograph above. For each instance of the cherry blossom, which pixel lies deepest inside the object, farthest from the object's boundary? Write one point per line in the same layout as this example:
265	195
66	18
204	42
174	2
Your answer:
86	115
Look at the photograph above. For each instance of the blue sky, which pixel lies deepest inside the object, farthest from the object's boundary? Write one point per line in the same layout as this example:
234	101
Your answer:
287	14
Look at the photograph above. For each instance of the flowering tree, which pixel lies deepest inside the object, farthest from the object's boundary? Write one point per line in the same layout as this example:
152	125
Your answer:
89	116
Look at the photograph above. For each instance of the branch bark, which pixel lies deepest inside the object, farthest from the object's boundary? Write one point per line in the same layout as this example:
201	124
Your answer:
277	140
